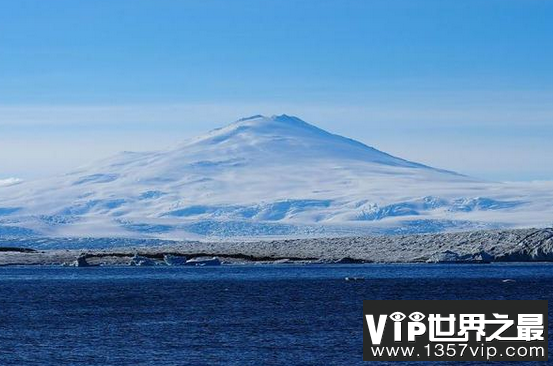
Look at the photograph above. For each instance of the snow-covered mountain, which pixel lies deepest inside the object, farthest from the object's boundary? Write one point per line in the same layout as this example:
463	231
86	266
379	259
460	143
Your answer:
265	176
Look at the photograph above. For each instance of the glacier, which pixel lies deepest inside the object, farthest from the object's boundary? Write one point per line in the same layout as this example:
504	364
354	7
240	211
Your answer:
276	176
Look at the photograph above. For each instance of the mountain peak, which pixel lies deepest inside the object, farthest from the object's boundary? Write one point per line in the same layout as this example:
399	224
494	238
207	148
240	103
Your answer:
282	119
289	138
286	119
258	125
274	117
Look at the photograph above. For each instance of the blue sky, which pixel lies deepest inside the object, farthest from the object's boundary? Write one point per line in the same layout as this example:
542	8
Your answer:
463	85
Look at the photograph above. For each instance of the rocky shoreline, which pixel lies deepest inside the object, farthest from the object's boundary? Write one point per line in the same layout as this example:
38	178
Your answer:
520	245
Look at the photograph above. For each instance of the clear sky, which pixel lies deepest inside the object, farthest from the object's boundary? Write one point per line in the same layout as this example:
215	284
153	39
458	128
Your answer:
463	85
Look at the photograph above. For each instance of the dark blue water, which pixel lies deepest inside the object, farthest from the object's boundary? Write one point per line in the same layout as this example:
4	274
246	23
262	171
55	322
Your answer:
229	315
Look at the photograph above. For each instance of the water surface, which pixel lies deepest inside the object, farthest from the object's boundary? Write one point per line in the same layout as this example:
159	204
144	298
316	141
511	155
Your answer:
228	315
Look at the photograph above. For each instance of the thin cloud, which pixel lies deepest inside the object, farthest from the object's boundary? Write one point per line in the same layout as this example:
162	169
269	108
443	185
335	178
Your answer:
9	182
417	109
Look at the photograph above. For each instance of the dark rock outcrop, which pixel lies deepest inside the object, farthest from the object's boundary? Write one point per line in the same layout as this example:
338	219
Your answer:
81	261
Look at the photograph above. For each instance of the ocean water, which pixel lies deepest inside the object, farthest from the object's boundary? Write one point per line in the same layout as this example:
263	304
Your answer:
228	315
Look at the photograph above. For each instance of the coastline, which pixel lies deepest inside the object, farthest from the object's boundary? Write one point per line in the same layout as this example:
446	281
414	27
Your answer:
517	245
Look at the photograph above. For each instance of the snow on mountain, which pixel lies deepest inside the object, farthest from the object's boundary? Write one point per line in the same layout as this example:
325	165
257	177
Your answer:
265	176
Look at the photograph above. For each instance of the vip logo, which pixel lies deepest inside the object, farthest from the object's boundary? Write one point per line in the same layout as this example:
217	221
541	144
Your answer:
414	327
529	327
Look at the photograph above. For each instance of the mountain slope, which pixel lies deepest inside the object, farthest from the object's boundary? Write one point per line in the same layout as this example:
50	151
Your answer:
263	176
